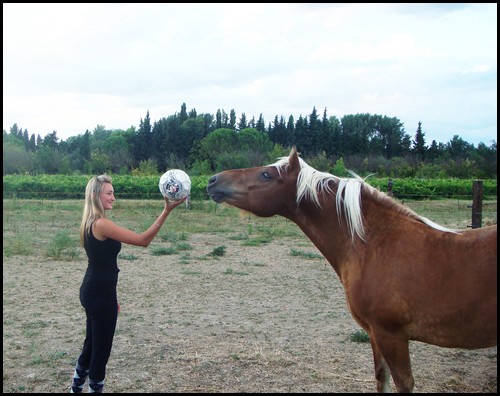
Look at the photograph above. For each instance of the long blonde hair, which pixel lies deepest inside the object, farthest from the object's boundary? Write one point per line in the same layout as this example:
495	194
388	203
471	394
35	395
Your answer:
93	208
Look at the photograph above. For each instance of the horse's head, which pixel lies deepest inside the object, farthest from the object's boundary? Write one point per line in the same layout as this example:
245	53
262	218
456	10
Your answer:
264	191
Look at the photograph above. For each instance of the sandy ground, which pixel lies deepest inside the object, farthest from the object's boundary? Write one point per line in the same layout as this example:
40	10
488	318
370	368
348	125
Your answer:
256	319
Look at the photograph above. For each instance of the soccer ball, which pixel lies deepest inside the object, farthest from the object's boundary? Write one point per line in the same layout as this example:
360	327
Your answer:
175	184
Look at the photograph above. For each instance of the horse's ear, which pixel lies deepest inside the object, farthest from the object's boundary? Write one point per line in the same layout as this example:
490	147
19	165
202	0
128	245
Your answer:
293	159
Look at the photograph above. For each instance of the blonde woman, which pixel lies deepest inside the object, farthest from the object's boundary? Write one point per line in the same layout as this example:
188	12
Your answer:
102	240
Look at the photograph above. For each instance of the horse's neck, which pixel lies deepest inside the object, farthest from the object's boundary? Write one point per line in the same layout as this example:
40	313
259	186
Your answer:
330	234
322	227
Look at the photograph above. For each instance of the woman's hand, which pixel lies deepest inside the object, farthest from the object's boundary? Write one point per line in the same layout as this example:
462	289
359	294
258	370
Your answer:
170	205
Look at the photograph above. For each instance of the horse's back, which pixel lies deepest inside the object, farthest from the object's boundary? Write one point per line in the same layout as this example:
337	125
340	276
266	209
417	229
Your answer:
481	248
440	287
470	290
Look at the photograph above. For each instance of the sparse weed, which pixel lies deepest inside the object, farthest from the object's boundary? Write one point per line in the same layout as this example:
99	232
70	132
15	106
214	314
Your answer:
359	336
62	247
218	251
127	256
307	255
162	251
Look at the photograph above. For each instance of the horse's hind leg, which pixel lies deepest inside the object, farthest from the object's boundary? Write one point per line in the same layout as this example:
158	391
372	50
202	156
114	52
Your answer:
382	373
396	354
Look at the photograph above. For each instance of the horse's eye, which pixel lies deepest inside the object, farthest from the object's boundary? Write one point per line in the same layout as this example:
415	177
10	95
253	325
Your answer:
266	175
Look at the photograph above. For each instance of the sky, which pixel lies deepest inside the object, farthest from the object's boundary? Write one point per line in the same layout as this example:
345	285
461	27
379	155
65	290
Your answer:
71	67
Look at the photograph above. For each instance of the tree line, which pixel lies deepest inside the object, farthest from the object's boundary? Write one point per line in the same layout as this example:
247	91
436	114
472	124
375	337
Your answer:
204	143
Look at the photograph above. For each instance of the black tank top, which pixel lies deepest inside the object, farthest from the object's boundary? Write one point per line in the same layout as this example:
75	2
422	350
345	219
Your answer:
101	276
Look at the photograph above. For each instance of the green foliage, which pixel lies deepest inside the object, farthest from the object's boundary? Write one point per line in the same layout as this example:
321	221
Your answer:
62	246
414	188
230	271
218	251
277	152
21	245
231	160
219	141
199	187
162	251
203	144
65	186
16	159
146	168
99	162
320	162
250	139
174	237
359	336
183	246
47	160
256	241
146	187
225	148
339	168
127	256
201	168
307	255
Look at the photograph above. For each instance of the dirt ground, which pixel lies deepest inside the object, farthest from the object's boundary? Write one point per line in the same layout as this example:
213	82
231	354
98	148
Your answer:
256	319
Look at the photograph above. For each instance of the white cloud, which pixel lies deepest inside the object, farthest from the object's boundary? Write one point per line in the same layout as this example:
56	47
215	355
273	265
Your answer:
69	67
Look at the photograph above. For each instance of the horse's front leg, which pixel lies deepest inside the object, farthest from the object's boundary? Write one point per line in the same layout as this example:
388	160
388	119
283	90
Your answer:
382	373
393	351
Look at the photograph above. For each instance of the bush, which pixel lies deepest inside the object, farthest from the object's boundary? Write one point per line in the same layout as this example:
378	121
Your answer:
73	187
146	187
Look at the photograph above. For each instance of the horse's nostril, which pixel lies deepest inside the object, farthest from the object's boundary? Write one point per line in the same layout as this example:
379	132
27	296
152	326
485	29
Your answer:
212	179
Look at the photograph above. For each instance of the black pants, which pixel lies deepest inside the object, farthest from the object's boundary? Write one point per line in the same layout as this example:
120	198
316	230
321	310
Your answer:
102	313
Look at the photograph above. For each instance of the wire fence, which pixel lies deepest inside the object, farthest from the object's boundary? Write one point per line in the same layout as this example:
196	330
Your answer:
451	212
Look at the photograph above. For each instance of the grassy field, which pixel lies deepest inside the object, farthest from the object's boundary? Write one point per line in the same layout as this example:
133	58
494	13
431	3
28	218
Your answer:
221	301
28	223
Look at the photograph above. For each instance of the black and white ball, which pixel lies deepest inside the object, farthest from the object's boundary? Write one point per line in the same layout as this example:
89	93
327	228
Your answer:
175	184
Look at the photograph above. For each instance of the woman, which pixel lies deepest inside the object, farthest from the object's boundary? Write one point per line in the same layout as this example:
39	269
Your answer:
102	241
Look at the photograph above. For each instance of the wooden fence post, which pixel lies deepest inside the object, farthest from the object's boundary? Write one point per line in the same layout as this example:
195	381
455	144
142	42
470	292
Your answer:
477	203
389	188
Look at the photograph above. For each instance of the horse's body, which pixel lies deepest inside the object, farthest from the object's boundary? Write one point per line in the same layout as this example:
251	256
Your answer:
405	278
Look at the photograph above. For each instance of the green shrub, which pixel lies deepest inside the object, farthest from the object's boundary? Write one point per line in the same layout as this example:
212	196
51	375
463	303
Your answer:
359	336
146	187
218	251
62	247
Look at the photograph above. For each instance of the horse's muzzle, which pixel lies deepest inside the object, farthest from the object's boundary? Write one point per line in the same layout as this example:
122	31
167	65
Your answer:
216	192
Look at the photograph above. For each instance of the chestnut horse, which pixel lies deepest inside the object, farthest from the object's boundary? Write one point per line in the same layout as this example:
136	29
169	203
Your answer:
405	277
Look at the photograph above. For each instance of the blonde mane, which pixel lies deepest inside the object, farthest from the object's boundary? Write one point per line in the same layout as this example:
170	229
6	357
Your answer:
311	182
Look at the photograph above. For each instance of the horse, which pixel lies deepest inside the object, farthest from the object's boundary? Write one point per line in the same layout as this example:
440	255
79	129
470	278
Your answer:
404	276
